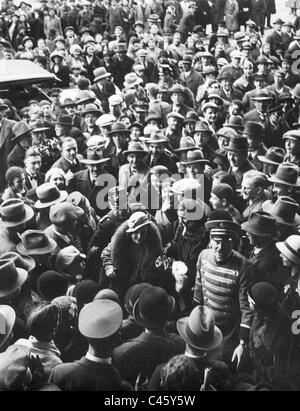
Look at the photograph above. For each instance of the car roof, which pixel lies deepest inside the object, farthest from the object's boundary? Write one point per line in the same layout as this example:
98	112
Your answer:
22	72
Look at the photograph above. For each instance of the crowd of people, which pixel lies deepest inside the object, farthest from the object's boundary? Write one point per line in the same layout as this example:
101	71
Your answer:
149	233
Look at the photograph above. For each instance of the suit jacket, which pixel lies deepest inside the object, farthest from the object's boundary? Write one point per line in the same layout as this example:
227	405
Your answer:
85	375
6	145
144	353
276	43
240	173
16	156
40	178
260	152
193	81
234	95
65	165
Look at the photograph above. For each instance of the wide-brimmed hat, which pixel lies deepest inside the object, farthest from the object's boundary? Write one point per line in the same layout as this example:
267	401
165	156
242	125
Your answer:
186	144
238	144
11	277
100	74
153	308
7	321
19	129
135	148
253	129
91	109
35	242
273	156
132	80
64	120
286	174
285	210
202	126
261	224
94	156
25	262
85	97
291	248
100	319
262	95
156	138
40	127
209	70
278	21
48	194
226	75
195	157
15	212
199	330
136	221
118	127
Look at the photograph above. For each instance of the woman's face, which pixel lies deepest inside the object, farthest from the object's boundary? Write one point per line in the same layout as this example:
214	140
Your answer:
139	236
18	183
59	181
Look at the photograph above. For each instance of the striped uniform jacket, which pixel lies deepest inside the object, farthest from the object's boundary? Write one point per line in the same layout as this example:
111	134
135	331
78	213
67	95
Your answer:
223	287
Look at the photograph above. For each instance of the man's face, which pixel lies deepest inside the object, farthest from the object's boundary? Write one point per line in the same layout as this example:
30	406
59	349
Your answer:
90	120
46	109
120	140
222	247
194	170
278	80
259	84
236	62
262	106
177	39
115	111
280	190
226	84
249	191
26	141
201	139
156	150
254	143
95	170
59	130
18	183
292	146
234	110
139	236
223	142
69	150
59	181
135	134
210	115
215	202
286	66
262	68
236	159
173	123
33	165
38	138
136	161
248	70
71	110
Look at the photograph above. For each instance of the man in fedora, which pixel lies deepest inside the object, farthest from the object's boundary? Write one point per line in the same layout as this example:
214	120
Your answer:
140	356
275	39
119	135
69	156
190	78
99	324
173	131
286	213
158	155
121	64
6	134
64	128
228	93
100	81
23	140
177	96
92	180
201	337
237	153
271	160
254	133
231	312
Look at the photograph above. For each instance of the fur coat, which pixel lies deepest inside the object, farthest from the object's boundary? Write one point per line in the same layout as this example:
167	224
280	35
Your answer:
135	263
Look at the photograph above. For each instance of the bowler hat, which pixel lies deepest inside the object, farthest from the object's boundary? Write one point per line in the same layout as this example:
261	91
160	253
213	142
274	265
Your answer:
26	262
100	74
238	144
261	60
20	129
199	330
226	76
261	224
290	248
273	156
90	109
64	120
48	194
40	127
94	156
136	148
262	95
65	213
186	144
195	157
11	277
121	48
15	212
153	308
35	242
107	294
7	321
253	129
100	319
136	221
285	210
117	128
286	174
235	122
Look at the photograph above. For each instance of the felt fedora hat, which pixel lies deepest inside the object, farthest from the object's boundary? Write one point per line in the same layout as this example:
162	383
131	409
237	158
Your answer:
90	109
199	330
94	156
201	127
235	122
237	144
11	277
48	194
154	307
177	88
195	157
261	224
285	210
100	319
26	262
253	129
273	156
64	120
135	148
100	74
291	248
7	322
132	80
15	212
20	129
186	144
118	128
286	174
191	117
35	242
133	294
227	132
156	138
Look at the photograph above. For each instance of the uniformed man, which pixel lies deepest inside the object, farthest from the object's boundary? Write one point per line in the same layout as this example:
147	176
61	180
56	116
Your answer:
221	284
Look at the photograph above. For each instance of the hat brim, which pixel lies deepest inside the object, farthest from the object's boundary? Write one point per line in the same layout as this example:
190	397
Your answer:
215	342
62	197
37	251
133	230
10	316
29	213
161	141
184	150
263	159
275	180
262	98
40	130
247	227
111	132
152	324
102	77
22	134
22	277
186	163
136	83
96	112
285	251
92	162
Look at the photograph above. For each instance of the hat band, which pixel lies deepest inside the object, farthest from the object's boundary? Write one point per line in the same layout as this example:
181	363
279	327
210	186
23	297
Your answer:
220	231
291	250
18	215
204	339
54	195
